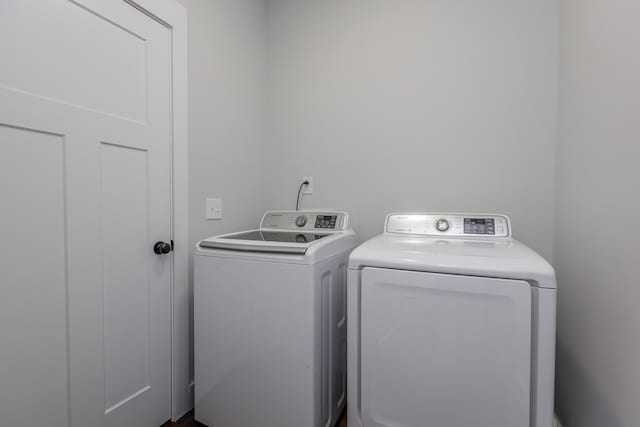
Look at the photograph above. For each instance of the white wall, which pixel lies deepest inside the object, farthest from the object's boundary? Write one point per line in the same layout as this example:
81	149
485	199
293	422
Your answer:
416	105
596	249
427	105
227	51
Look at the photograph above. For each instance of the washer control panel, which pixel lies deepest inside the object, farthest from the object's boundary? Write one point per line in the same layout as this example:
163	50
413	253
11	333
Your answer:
450	225
305	220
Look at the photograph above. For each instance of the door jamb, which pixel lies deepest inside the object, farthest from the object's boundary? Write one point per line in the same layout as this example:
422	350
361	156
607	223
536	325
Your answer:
173	15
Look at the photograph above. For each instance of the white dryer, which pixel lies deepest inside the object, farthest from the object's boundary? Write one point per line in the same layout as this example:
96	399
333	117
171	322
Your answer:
451	323
270	322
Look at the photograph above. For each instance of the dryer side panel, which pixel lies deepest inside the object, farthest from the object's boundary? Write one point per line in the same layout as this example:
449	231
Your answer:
442	350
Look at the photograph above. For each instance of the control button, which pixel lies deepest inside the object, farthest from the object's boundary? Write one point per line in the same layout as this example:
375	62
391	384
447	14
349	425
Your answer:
301	220
442	225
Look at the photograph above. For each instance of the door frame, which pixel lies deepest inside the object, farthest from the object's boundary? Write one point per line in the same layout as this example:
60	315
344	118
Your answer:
173	15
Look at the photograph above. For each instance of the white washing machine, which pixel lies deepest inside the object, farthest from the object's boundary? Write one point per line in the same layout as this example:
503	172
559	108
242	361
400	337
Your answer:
270	322
451	323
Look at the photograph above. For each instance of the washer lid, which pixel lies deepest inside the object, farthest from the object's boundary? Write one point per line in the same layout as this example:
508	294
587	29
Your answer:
296	237
289	242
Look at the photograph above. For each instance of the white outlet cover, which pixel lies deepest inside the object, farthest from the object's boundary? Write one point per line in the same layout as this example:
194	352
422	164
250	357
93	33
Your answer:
213	209
307	189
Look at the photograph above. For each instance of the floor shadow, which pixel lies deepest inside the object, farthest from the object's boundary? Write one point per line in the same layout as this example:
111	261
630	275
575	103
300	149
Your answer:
189	421
578	402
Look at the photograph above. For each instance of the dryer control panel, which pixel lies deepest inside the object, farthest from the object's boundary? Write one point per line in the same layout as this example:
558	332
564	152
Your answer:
449	225
305	220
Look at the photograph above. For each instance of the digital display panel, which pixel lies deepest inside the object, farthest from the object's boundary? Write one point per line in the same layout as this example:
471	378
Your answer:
326	221
479	226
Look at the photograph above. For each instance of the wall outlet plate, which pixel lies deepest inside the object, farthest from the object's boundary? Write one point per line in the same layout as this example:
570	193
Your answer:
214	209
307	189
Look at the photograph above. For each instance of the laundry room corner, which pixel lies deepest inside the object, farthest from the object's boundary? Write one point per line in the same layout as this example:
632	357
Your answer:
226	115
596	252
319	213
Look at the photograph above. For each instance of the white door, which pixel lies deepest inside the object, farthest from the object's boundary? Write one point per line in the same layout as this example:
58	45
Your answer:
85	174
442	350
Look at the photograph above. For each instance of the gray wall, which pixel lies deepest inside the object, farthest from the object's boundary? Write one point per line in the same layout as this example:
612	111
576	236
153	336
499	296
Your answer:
226	112
415	105
227	51
596	249
425	105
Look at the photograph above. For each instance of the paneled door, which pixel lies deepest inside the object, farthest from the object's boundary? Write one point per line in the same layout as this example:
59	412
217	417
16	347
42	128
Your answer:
85	193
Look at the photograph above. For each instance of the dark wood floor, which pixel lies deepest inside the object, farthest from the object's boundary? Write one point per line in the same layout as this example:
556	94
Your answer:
188	421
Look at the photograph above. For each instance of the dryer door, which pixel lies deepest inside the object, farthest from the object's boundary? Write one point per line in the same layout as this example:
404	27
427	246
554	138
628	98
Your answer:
442	350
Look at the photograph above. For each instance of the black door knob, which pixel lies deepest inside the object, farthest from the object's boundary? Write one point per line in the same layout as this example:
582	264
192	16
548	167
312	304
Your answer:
161	248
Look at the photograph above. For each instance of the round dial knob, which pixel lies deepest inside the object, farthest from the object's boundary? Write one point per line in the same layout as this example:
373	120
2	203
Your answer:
301	220
442	225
